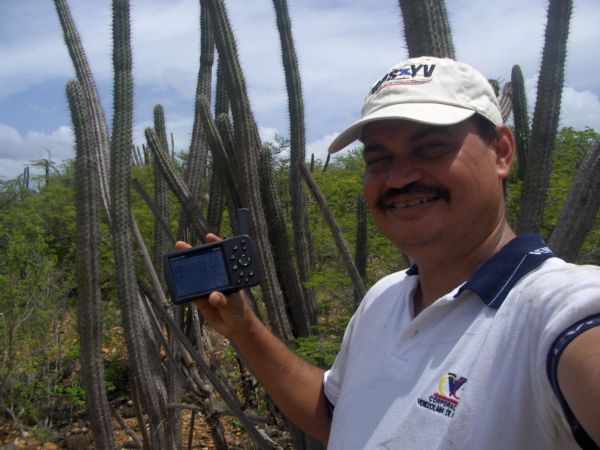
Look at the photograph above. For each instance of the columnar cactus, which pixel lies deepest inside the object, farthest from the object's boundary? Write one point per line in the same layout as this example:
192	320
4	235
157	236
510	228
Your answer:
505	101
197	169
357	282
361	252
545	117
197	157
578	213
248	144
143	352
302	240
521	119
175	182
88	270
426	28
160	196
101	140
284	260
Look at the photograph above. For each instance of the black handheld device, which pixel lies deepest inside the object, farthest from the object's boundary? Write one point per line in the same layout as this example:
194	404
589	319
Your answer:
226	266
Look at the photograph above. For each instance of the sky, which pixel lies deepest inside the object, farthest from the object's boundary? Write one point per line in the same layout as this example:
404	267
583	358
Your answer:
343	47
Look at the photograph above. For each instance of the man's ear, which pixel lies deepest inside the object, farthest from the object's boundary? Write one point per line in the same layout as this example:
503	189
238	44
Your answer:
505	148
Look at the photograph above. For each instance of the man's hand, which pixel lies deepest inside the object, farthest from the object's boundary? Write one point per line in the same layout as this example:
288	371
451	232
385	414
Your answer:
225	313
295	386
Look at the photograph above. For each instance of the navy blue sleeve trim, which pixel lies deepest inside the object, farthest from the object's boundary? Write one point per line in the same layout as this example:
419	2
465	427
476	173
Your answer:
559	345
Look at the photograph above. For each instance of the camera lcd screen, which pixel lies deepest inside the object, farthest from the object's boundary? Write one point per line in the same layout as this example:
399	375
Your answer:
202	272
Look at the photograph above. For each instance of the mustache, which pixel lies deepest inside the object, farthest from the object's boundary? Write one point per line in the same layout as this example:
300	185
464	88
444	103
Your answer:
411	188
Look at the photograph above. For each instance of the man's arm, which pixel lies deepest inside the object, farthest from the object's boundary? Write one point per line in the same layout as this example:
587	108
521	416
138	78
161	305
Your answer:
579	380
293	384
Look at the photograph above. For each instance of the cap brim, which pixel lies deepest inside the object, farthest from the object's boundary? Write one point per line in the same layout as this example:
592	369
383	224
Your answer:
428	113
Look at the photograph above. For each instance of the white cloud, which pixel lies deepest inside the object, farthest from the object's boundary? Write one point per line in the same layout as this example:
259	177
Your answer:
580	109
319	147
342	47
17	151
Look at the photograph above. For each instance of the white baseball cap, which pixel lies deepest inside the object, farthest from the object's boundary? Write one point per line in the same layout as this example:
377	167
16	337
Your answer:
436	91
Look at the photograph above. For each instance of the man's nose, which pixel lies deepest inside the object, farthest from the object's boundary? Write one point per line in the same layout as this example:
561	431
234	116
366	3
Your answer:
403	171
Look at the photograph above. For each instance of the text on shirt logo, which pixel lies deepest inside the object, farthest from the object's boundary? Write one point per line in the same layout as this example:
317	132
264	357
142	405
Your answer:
445	400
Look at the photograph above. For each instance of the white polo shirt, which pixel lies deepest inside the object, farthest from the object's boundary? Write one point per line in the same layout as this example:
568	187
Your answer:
472	370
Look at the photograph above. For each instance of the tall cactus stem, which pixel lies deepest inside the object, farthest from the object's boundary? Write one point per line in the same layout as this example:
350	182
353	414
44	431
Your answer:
521	120
144	361
88	271
196	170
302	240
160	196
427	30
544	126
286	269
176	183
248	143
101	139
359	287
579	211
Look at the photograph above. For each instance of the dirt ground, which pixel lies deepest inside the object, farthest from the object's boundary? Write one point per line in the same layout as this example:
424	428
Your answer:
77	436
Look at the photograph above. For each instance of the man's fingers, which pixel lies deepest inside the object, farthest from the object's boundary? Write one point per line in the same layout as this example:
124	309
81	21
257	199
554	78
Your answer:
210	237
217	300
180	245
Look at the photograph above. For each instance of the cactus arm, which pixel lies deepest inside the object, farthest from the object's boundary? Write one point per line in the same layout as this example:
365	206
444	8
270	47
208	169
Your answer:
248	144
359	287
302	241
544	126
196	168
427	30
101	140
176	183
143	352
161	215
284	261
521	119
88	271
578	213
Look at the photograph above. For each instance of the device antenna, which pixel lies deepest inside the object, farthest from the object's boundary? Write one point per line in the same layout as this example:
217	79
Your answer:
242	221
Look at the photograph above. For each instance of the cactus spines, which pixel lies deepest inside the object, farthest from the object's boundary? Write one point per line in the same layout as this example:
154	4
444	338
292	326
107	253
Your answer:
196	169
290	281
360	255
505	101
578	213
88	271
221	151
521	119
248	141
160	248
426	28
145	364
161	198
545	117
101	139
175	182
359	287
302	241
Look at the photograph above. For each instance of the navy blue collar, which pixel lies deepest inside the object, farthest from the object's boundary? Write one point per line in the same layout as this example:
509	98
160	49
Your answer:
496	277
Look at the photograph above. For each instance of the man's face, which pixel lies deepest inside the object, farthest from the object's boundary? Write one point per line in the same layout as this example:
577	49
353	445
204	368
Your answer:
432	185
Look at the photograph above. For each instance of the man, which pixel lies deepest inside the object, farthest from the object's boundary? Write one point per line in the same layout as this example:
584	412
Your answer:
488	340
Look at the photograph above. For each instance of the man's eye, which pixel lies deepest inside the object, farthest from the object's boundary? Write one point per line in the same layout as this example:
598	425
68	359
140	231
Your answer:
377	161
432	151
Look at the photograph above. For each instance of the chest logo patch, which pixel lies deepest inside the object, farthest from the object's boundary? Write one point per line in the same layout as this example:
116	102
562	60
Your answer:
445	398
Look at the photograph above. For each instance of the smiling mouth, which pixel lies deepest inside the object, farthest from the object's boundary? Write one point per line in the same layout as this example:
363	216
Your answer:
414	202
412	195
